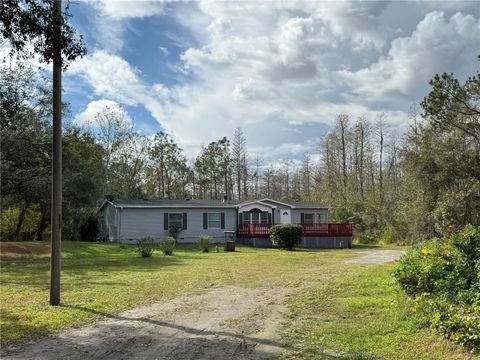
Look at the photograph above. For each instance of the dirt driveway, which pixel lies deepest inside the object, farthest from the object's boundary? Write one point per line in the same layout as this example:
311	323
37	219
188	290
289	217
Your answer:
227	322
376	256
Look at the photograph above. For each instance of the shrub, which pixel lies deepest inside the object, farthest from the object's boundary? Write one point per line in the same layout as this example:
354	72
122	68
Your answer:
388	234
89	229
145	246
204	242
443	276
286	236
174	231
167	244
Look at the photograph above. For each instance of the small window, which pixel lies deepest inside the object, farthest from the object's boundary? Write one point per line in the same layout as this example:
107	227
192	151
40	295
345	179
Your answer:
214	220
175	219
264	218
320	218
315	218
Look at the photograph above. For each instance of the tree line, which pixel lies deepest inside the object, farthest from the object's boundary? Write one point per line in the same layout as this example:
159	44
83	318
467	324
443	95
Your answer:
397	189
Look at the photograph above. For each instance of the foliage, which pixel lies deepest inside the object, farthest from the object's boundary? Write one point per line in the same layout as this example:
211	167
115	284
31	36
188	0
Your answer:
360	315
388	234
167	245
204	242
286	236
213	166
444	279
168	168
145	246
174	231
89	229
31	22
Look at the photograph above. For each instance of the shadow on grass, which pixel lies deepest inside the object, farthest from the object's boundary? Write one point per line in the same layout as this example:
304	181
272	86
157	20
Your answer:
35	271
366	246
127	340
182	328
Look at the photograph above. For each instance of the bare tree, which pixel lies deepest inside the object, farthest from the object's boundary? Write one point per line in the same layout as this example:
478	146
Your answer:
380	130
239	160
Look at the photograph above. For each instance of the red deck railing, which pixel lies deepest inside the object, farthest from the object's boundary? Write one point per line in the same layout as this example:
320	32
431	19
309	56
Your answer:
253	230
309	230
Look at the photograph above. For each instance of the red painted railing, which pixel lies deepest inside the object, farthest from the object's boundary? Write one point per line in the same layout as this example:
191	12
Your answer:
253	230
320	230
309	230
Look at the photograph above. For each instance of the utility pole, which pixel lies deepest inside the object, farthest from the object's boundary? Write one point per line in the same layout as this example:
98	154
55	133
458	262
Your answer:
56	220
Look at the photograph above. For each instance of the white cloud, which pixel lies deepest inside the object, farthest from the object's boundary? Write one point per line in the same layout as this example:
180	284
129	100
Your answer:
284	71
121	9
110	76
437	45
87	118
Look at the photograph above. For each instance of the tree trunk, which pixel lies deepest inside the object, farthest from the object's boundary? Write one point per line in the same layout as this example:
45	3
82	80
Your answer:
21	218
42	224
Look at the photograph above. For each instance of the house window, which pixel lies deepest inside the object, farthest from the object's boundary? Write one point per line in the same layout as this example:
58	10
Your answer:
315	218
309	218
175	219
264	218
255	217
214	220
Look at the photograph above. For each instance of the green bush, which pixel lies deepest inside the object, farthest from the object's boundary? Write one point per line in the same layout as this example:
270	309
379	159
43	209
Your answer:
388	234
174	231
167	244
89	229
204	242
286	236
145	246
443	276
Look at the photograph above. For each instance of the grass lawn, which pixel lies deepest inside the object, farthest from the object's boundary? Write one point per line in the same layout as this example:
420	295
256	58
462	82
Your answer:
362	315
349	309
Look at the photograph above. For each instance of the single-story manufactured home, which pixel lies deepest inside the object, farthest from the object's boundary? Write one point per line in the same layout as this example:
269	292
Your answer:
127	220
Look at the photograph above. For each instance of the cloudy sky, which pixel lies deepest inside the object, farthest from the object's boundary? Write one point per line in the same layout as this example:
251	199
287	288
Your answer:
280	70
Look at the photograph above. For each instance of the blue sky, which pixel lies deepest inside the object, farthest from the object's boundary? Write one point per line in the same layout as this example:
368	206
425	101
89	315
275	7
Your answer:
280	70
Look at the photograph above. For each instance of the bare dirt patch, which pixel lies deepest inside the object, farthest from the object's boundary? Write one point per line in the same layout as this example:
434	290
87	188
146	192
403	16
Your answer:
20	249
376	256
226	322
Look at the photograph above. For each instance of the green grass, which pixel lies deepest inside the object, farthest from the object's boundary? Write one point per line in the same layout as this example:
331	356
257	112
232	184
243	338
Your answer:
356	309
361	315
109	278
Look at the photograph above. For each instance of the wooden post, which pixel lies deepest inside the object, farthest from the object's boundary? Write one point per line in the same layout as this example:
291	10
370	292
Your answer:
56	220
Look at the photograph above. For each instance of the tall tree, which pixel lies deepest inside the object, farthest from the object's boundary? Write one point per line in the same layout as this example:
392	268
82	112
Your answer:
168	166
42	23
239	159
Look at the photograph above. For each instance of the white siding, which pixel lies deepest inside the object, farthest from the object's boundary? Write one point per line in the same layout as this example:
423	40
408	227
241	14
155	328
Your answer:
137	223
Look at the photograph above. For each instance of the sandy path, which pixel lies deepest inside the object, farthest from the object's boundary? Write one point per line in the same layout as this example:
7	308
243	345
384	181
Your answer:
200	326
376	256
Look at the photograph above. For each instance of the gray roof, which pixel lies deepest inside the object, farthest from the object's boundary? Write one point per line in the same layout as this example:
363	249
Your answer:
194	203
292	204
306	204
167	203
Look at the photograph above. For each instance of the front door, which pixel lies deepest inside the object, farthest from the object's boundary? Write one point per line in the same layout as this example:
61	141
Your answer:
285	216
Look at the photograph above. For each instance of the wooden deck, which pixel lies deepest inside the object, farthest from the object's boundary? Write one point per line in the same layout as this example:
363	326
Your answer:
309	230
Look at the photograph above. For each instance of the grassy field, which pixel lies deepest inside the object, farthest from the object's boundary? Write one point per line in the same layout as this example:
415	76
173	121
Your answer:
350	309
